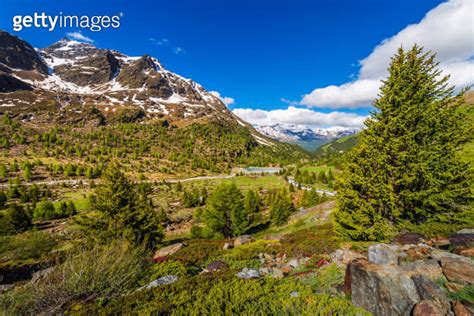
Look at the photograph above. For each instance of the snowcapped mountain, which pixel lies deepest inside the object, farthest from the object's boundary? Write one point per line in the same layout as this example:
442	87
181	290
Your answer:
304	135
69	78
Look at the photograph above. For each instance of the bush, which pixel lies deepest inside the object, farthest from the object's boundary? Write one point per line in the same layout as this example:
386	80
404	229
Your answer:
14	220
99	273
206	295
30	245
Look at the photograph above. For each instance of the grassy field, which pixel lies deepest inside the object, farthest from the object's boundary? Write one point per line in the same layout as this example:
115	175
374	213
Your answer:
243	182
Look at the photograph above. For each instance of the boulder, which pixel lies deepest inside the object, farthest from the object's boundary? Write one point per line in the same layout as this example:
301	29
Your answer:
381	289
247	273
429	291
427	308
429	269
215	266
264	271
244	239
462	240
409	238
167	279
167	251
294	263
460	310
465	251
384	254
460	270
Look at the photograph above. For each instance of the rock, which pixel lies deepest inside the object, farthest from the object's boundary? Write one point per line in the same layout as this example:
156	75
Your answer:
242	240
167	251
431	292
381	289
294	294
343	256
454	287
286	269
460	310
228	245
415	252
384	254
465	251
429	269
466	231
280	257
294	263
5	287
216	266
458	270
462	240
440	242
167	279
41	274
248	274
427	308
409	238
264	271
277	273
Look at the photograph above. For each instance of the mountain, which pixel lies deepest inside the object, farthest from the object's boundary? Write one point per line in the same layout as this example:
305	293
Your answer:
69	77
305	136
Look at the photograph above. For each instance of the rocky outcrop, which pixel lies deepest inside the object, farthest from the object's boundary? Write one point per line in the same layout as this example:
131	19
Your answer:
18	54
382	290
404	279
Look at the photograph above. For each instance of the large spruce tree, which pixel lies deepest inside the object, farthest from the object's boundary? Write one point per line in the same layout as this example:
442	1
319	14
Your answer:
406	170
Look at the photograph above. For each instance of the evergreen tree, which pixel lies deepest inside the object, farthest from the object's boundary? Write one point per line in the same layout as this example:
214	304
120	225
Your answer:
126	209
225	215
252	206
281	207
406	169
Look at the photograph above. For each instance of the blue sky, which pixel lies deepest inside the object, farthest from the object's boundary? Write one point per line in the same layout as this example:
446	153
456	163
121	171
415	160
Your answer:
260	53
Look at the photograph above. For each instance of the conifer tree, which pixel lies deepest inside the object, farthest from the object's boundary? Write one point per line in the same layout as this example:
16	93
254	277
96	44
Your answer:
405	170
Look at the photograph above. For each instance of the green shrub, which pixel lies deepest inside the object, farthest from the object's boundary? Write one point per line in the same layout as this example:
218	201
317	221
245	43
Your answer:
169	267
99	273
206	295
30	245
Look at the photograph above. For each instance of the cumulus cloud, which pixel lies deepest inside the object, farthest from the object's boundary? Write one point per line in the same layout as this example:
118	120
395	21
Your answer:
80	37
447	30
227	100
294	115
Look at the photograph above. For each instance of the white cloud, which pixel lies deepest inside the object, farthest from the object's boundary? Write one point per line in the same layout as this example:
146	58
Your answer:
178	50
78	36
294	115
227	100
447	30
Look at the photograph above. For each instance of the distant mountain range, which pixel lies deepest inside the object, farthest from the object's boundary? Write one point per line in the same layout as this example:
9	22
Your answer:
308	137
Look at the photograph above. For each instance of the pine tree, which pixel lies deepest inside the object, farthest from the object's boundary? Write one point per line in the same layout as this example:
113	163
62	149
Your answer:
225	215
406	169
281	207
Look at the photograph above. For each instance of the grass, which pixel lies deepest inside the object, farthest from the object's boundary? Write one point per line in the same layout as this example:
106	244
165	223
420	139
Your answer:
243	182
317	169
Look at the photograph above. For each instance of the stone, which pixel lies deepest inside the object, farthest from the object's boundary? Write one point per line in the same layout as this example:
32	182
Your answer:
465	251
167	279
454	287
167	251
41	274
286	269
247	273
440	242
458	270
294	263
384	254
242	240
427	308
466	231
343	256
228	245
415	252
429	291
381	289
264	271
294	294
277	273
409	238
460	310
216	266
428	268
462	240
